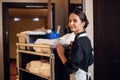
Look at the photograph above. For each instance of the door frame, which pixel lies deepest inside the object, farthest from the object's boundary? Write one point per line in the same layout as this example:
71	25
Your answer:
5	7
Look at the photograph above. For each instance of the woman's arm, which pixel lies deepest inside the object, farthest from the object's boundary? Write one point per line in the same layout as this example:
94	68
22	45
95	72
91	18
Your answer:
60	50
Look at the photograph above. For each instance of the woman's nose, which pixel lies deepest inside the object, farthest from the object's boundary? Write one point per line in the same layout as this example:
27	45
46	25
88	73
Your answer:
71	23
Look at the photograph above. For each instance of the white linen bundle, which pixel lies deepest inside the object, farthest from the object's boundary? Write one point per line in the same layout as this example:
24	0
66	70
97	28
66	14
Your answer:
65	40
39	67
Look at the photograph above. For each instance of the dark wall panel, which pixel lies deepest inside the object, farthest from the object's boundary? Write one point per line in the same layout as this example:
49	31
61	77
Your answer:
106	39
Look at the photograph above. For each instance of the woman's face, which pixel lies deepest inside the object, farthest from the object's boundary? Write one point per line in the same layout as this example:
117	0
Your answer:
75	23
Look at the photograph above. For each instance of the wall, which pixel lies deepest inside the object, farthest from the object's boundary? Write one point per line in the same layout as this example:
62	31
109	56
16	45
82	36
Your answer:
89	13
1	48
61	13
76	1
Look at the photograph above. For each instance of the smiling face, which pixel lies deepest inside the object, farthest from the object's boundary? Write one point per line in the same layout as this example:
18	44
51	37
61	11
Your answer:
75	23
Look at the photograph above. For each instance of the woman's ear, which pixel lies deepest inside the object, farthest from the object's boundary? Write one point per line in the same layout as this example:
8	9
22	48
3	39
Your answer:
83	24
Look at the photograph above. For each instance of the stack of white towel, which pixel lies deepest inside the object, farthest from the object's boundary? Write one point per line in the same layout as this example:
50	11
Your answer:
39	67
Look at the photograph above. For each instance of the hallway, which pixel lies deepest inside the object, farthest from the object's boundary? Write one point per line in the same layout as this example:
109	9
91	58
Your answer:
13	70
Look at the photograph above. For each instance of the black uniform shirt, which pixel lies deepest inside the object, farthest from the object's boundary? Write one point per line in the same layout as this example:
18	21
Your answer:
81	54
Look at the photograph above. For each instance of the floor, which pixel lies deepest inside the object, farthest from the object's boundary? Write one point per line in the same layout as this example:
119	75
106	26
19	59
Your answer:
13	72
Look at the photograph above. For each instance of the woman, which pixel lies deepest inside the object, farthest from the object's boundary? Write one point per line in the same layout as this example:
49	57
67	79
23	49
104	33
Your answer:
81	53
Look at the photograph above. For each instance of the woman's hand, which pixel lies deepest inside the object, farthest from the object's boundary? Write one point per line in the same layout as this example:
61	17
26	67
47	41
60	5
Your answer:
71	43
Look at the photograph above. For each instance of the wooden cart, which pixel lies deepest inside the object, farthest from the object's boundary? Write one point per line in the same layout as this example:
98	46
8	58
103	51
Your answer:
24	56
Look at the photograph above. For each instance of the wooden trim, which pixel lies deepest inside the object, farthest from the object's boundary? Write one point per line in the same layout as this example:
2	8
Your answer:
49	15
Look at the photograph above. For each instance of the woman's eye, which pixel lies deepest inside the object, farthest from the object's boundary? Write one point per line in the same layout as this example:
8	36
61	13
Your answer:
70	20
74	20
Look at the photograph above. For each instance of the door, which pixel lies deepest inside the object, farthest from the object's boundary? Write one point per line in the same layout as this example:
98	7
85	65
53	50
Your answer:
106	39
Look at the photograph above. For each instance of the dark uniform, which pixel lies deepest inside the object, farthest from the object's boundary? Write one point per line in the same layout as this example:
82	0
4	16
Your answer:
81	54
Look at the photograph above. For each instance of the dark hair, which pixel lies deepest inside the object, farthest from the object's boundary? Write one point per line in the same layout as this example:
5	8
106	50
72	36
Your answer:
82	16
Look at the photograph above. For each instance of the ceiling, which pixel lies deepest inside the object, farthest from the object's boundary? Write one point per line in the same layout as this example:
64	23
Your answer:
27	12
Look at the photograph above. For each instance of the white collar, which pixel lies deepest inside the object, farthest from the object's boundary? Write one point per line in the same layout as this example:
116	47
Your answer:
82	35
